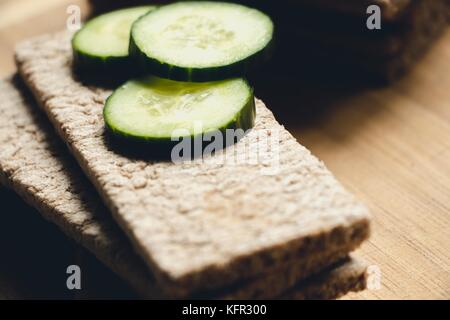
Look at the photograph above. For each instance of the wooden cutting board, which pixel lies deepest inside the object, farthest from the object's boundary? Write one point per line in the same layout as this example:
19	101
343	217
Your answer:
390	146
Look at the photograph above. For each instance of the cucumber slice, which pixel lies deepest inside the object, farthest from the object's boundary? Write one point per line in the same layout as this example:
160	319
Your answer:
155	110
201	40
102	43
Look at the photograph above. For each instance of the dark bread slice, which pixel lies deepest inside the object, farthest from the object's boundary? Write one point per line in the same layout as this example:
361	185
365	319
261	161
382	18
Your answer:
187	229
36	165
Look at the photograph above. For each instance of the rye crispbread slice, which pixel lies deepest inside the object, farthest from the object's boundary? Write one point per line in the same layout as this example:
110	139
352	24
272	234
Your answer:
204	224
36	165
330	283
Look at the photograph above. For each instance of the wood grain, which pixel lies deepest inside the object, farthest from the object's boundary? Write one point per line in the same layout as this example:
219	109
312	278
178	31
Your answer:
390	146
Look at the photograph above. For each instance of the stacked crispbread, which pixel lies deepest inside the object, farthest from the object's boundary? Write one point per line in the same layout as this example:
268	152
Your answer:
204	228
36	165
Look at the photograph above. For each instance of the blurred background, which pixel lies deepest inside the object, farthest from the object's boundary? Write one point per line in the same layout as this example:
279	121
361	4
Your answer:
374	105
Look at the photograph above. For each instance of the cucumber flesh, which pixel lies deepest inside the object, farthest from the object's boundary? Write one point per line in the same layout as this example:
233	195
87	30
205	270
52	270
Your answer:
153	109
103	42
201	40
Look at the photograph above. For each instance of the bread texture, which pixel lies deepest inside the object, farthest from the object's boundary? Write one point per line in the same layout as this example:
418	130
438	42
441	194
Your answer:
345	276
203	224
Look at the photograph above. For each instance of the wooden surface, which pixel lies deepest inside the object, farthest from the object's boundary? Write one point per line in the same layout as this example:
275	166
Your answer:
390	146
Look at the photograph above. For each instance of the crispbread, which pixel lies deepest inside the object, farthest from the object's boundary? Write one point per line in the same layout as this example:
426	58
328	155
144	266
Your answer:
329	284
35	164
200	225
